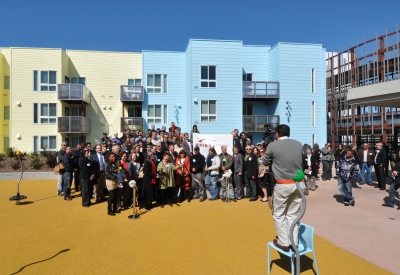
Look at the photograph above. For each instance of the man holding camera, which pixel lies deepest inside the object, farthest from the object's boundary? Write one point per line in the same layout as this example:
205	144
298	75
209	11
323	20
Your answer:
328	157
285	157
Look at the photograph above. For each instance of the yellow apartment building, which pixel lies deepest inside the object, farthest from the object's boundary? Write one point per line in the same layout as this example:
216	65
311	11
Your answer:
72	96
4	99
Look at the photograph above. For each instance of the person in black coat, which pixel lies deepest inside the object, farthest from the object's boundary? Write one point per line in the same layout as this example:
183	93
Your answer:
149	179
86	175
395	182
310	164
250	166
77	153
197	163
380	161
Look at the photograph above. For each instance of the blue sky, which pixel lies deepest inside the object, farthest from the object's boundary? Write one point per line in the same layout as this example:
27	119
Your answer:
167	25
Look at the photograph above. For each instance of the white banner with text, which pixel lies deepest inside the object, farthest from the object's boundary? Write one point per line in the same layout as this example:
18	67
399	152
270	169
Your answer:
206	141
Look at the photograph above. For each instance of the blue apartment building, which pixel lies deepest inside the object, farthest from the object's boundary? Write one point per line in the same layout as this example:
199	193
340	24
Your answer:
223	85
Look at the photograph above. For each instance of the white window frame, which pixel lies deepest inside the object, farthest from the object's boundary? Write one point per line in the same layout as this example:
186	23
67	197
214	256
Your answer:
39	81
39	112
208	80
313	80
163	87
164	114
40	143
313	114
208	115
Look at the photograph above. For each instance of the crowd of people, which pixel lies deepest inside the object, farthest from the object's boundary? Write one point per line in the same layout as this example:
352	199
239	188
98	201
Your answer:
165	167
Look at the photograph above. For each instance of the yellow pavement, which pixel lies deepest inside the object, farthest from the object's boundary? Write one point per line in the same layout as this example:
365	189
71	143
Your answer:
47	235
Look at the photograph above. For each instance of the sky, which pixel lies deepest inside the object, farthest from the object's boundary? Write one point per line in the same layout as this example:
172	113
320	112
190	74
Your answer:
135	25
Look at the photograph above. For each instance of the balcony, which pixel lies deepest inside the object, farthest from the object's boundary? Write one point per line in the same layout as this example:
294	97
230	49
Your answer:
73	124
260	89
131	123
74	93
256	123
131	93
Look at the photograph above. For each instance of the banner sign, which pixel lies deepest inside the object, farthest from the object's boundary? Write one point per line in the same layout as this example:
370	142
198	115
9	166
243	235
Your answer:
206	141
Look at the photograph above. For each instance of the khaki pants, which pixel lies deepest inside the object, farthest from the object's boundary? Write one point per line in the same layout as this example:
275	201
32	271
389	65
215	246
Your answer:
287	204
98	188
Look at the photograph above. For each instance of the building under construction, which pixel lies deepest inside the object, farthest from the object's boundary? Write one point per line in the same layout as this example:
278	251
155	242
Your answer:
363	92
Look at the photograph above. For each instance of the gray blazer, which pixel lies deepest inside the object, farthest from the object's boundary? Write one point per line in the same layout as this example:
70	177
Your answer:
238	165
185	147
327	154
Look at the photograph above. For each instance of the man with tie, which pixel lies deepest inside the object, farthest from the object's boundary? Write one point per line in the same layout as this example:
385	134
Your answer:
98	163
380	160
235	135
186	145
165	143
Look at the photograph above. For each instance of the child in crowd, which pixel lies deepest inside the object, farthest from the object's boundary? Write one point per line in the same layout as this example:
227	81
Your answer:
120	174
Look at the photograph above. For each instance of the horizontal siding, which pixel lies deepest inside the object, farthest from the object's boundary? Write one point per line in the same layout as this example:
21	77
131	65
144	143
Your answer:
172	64
255	61
105	72
23	62
227	56
295	64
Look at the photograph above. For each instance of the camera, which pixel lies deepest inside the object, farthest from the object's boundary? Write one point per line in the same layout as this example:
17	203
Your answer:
267	133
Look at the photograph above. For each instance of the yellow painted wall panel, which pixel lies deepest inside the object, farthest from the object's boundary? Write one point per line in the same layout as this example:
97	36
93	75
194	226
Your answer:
23	62
105	72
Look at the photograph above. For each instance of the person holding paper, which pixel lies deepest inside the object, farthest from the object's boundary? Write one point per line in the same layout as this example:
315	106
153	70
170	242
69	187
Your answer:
166	184
310	170
183	176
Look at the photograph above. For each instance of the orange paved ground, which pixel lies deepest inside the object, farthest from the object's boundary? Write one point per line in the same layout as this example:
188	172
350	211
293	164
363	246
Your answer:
48	235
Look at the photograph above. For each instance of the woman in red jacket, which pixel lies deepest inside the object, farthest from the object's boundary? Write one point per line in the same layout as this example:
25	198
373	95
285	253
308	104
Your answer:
182	180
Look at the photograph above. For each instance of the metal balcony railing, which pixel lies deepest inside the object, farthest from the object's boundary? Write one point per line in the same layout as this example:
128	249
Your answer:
131	93
260	89
131	123
74	92
73	124
256	123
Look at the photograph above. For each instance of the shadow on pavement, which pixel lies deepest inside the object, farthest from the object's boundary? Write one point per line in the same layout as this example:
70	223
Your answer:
22	268
284	263
339	198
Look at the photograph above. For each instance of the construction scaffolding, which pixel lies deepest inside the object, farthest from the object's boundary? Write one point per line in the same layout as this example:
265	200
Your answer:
368	63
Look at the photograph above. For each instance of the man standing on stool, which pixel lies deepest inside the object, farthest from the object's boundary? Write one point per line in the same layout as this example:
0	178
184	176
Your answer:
285	156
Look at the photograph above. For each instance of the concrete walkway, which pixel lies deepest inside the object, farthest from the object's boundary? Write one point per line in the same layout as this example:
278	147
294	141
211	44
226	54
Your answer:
28	176
368	229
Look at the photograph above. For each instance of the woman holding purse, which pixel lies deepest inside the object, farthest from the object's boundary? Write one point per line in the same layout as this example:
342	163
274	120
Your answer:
112	184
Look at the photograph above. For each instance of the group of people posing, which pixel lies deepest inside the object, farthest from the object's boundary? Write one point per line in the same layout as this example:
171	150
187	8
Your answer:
165	167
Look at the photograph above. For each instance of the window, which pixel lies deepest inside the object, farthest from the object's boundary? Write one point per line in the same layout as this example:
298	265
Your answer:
48	81
157	114
78	80
135	82
77	140
45	112
77	111
313	113
35	81
247	109
6	141
6	113
157	83
135	111
6	82
208	76
46	142
247	77
208	111
313	80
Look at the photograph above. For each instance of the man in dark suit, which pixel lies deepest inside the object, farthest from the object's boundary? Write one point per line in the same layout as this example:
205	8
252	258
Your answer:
77	153
250	174
395	182
380	160
243	143
366	157
235	136
165	143
98	164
